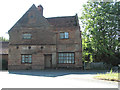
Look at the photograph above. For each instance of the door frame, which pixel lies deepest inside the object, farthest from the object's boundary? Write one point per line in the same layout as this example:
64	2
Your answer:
45	61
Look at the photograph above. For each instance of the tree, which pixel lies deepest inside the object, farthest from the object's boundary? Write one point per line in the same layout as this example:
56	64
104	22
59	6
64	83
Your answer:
3	39
101	31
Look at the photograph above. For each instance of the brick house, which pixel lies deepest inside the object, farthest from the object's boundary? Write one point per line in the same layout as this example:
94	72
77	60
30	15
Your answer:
37	42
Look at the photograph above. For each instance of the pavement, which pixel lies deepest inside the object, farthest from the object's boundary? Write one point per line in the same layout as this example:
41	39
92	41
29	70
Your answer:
53	79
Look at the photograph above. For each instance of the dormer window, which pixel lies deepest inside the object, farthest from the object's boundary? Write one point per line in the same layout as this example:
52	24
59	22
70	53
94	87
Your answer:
26	36
64	35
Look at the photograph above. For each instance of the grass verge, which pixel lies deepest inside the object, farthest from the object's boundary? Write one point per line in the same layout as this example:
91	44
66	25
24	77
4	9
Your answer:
112	76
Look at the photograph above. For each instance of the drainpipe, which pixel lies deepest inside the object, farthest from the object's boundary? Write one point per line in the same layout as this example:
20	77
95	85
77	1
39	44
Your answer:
56	50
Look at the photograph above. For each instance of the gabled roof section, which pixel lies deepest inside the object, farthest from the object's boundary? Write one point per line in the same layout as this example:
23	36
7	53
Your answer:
65	21
32	18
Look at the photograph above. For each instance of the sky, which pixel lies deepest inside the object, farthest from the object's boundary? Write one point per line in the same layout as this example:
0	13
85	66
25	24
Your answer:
13	10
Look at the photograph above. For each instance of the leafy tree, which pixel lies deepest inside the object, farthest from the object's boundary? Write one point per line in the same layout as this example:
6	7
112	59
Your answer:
3	39
101	31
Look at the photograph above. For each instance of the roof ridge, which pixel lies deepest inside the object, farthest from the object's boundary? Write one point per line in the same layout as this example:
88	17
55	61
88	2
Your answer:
59	17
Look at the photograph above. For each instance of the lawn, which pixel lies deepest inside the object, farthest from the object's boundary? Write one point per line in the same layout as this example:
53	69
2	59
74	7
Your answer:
111	76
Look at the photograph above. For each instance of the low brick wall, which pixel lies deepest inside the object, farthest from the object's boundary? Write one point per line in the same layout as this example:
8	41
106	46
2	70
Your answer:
96	66
25	67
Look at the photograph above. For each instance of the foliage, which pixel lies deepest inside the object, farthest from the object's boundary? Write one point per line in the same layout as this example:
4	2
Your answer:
108	76
100	37
111	71
3	39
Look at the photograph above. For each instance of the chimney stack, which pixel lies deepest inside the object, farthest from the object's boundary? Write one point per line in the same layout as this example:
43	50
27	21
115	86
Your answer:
40	8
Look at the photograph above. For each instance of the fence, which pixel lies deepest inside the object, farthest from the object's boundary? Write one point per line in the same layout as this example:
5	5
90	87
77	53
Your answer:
96	66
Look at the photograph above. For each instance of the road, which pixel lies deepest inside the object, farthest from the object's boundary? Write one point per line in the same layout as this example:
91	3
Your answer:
53	79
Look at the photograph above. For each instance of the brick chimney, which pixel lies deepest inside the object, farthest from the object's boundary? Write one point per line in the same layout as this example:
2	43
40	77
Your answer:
40	8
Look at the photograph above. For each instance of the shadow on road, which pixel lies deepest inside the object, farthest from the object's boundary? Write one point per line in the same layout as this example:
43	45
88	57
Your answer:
53	73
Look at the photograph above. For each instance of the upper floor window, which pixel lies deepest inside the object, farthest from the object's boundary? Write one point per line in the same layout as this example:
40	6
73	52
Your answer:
64	35
27	36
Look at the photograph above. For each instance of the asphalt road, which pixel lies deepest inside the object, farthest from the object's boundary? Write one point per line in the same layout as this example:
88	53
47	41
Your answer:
53	79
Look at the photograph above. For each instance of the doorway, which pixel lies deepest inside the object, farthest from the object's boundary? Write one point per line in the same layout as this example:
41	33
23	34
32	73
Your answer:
48	60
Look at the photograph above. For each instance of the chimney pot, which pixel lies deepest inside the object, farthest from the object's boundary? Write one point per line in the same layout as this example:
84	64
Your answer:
40	8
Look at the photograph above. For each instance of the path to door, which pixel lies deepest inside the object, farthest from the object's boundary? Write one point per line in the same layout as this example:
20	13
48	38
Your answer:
53	79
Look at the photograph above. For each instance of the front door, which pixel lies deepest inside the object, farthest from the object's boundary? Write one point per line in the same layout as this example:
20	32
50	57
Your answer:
48	60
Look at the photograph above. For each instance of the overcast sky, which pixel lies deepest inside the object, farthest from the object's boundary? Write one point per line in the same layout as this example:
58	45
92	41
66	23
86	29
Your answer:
12	10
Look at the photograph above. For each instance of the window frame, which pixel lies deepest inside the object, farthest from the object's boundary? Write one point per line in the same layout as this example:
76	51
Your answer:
67	61
26	36
64	35
24	59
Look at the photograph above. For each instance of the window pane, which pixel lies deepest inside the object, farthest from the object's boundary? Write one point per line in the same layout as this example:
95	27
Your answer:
59	57
72	57
62	61
66	58
69	54
67	61
29	61
62	57
59	54
72	61
62	54
66	35
26	36
26	58
22	61
61	35
59	61
65	54
72	54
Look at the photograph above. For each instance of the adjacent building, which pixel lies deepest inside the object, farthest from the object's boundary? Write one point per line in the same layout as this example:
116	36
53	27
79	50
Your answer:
4	55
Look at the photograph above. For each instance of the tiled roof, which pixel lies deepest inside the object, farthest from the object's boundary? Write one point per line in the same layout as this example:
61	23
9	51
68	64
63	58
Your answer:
4	47
66	21
33	18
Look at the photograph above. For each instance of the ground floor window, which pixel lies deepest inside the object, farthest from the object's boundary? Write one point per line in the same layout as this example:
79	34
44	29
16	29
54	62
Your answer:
26	58
66	57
